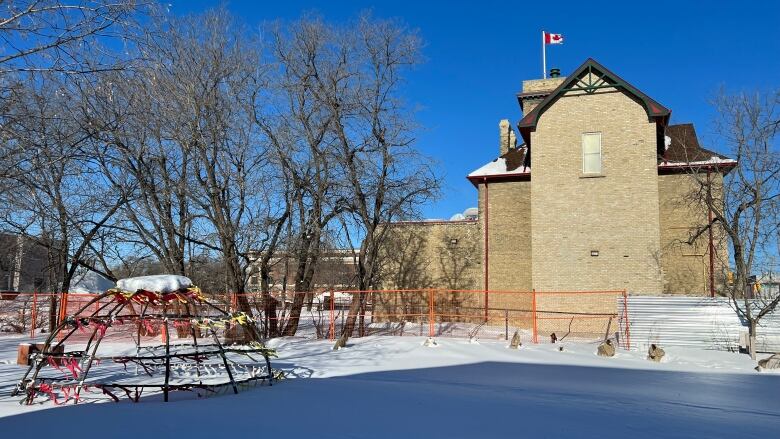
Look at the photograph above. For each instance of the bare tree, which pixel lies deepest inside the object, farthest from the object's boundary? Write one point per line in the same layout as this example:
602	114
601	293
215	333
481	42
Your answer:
136	113
386	177
52	35
299	128
744	203
212	72
61	199
66	37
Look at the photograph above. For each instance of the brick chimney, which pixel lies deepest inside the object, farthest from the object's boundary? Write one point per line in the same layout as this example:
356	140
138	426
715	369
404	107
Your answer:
506	137
535	90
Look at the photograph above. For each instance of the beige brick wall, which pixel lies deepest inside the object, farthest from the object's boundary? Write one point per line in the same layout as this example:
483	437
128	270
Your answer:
509	249
423	255
537	85
616	214
509	234
686	266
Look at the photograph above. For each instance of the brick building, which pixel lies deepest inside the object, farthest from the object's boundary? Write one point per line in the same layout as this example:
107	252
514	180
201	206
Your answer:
590	193
26	265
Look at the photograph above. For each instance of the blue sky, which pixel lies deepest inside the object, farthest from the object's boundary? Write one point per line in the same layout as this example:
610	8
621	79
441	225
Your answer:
478	52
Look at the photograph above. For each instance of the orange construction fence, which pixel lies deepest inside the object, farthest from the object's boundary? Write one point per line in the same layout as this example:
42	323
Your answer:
536	316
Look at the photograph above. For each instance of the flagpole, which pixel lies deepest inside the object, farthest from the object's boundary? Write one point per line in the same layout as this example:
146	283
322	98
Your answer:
544	58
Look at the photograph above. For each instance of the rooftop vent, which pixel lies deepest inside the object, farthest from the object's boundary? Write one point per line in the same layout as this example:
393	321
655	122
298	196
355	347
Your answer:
554	73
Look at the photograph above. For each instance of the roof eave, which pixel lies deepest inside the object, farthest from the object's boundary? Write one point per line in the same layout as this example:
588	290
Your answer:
679	168
509	176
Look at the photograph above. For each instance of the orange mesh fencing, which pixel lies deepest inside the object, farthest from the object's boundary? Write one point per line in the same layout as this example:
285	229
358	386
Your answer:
537	317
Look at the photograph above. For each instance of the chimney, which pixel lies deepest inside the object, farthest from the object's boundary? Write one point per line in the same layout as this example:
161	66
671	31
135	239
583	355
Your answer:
535	90
506	136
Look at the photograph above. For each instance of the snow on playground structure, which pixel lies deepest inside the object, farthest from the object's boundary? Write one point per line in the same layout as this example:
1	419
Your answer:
234	357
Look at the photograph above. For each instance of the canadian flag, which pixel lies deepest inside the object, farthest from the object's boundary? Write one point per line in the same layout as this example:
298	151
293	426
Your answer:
553	38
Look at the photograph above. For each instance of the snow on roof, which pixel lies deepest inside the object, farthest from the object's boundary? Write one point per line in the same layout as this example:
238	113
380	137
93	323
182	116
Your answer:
90	283
714	160
160	283
499	167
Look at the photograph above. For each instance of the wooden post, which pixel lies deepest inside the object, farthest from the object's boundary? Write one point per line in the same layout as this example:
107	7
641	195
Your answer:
609	325
332	315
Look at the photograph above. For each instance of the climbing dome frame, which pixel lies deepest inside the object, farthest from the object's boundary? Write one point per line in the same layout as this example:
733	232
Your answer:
222	351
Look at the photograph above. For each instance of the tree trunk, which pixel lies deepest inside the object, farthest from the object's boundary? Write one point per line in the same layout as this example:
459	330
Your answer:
752	339
52	312
269	303
308	256
358	299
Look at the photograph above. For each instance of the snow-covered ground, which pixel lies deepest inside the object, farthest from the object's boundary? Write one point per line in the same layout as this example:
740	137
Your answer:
396	387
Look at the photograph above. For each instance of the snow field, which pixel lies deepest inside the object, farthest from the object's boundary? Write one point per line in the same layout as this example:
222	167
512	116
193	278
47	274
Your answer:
395	387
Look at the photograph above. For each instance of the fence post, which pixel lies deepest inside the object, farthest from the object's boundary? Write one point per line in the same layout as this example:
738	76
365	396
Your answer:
34	314
63	314
533	303
430	312
332	315
625	320
487	298
506	324
234	302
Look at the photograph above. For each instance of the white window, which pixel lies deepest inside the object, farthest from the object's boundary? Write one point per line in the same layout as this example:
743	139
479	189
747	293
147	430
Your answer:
591	153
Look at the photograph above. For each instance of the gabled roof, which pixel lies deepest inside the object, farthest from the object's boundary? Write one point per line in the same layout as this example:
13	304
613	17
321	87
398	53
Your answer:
599	77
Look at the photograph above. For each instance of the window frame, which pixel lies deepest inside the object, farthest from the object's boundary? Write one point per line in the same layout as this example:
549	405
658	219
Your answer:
600	154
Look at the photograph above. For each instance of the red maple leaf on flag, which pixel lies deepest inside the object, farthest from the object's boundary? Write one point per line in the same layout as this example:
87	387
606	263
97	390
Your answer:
553	38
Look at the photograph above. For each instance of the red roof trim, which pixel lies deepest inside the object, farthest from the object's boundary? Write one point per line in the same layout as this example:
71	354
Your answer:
477	179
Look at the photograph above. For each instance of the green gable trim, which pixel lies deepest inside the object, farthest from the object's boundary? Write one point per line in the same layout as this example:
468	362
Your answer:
598	77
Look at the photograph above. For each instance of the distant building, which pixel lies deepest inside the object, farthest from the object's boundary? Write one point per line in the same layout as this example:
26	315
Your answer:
26	265
593	198
335	270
